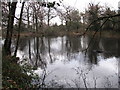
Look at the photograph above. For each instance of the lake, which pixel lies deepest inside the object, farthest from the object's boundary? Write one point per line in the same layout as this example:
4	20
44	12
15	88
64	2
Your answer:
64	62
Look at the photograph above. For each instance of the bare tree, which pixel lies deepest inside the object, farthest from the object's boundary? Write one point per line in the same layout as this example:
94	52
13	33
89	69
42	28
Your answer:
19	29
38	14
7	44
51	11
5	11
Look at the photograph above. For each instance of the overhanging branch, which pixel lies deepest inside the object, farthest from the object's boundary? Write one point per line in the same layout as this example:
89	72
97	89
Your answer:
98	19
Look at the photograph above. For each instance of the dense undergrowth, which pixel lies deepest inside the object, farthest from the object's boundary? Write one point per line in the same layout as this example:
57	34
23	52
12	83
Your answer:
16	76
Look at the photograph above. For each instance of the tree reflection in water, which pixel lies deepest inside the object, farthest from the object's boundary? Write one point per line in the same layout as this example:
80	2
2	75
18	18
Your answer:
64	57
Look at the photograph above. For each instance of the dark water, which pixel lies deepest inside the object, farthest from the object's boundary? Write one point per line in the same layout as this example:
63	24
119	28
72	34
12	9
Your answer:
64	62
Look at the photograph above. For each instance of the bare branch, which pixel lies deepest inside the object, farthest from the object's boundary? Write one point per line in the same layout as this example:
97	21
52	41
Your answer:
100	18
94	35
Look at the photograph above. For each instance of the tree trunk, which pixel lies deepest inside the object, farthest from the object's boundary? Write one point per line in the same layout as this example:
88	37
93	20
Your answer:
33	17
48	21
19	29
36	22
7	44
29	42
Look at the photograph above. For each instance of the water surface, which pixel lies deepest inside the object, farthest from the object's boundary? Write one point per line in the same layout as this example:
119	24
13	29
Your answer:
65	63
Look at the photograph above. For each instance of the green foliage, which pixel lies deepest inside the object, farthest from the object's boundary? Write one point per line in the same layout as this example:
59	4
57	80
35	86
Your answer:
23	27
51	32
93	12
111	23
16	76
73	25
73	20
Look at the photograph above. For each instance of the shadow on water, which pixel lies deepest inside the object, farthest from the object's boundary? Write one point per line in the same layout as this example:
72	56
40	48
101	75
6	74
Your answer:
63	56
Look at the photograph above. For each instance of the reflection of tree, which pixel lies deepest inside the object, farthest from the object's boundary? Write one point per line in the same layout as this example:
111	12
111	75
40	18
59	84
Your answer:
110	47
62	45
37	51
73	44
92	56
118	47
68	44
37	56
49	51
29	45
39	48
23	43
42	47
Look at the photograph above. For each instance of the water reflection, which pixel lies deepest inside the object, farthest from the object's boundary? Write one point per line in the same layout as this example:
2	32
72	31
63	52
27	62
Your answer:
63	56
111	47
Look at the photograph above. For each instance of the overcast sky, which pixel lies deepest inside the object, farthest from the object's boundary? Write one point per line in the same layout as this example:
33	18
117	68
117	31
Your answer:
82	4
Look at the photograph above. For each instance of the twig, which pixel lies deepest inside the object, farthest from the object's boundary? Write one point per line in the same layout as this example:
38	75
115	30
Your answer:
101	18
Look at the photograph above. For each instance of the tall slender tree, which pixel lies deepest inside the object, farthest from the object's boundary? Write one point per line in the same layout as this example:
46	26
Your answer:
7	44
19	29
